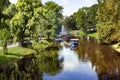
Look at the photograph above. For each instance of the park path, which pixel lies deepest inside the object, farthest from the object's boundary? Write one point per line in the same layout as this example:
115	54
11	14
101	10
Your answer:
12	45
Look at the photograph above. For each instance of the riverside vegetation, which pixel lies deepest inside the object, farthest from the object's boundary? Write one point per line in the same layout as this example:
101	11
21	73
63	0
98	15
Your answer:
30	19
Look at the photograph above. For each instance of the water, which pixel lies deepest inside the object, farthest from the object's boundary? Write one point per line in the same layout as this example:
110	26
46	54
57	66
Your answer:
73	68
91	61
64	30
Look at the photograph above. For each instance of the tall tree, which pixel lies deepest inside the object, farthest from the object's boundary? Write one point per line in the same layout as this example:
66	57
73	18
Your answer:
5	15
86	18
4	39
70	22
47	22
91	20
19	23
50	5
109	24
81	18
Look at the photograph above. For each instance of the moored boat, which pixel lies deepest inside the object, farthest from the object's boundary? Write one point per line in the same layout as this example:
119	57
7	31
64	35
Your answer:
74	43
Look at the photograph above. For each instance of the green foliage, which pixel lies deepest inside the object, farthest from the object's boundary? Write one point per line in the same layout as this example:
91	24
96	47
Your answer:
40	45
84	19
78	33
55	17
108	25
94	35
48	58
6	58
70	22
23	20
5	16
19	51
14	54
4	39
80	18
10	11
50	5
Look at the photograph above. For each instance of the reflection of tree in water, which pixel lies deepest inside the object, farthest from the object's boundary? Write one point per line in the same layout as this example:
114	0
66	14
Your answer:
48	62
103	58
24	69
107	76
30	67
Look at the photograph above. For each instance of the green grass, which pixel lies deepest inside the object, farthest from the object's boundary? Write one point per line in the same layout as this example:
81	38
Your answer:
14	54
19	51
78	33
7	58
94	35
81	34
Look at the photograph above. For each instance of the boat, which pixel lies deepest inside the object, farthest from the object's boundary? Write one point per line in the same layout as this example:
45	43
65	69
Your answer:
74	43
58	40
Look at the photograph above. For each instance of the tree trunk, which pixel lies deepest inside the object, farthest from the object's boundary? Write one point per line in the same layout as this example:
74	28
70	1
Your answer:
21	39
5	50
48	36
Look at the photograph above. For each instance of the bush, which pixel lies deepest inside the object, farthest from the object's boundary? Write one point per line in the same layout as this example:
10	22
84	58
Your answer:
40	45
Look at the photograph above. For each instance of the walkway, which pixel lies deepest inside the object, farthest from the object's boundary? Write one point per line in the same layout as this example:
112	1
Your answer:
12	45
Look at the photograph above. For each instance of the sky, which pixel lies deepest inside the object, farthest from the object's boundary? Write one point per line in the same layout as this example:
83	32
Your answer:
70	6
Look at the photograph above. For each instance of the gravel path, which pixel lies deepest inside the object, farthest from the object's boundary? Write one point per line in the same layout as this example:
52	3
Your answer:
12	45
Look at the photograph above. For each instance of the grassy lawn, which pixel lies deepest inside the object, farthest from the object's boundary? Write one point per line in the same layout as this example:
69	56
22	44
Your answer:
78	33
19	51
94	35
81	33
14	54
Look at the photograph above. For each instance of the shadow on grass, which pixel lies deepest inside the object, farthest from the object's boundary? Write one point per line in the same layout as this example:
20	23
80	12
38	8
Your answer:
6	58
16	54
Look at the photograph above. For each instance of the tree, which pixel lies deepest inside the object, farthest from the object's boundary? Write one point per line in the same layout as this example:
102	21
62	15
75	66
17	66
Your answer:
4	39
80	18
17	27
3	4
50	5
86	18
5	9
47	22
47	18
20	22
91	18
70	22
109	24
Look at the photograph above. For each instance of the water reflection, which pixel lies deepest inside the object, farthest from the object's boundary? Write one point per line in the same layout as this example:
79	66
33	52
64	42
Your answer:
91	61
71	61
73	67
103	57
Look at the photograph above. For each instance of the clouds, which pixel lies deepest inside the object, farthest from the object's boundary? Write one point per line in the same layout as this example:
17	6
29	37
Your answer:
13	1
87	0
65	1
91	1
70	6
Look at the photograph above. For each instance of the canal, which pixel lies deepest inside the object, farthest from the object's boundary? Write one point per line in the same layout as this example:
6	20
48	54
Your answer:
91	61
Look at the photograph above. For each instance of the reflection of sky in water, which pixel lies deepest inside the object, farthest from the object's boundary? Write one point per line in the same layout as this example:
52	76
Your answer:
73	68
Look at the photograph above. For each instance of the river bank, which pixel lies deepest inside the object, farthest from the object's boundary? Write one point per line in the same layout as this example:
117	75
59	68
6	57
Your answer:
17	53
116	47
30	64
79	33
46	64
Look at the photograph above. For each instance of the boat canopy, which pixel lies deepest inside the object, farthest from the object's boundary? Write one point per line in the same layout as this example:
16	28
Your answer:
74	39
